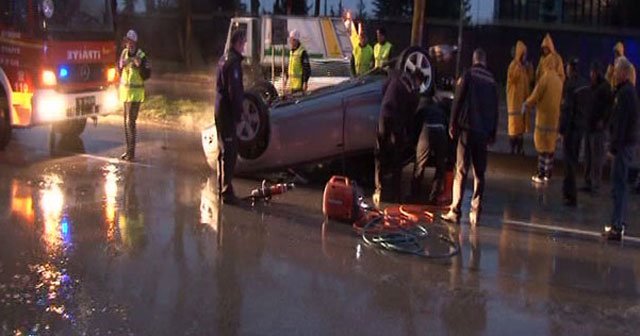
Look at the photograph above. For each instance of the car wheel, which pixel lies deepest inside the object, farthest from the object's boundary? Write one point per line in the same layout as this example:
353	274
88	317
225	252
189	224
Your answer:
414	58
253	128
73	127
265	90
5	124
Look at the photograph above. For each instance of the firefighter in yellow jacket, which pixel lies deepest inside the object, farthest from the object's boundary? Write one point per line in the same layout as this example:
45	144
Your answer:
618	51
134	70
546	97
382	49
550	59
519	77
362	52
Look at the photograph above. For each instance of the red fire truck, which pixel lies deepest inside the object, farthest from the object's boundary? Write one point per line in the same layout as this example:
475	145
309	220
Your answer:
57	64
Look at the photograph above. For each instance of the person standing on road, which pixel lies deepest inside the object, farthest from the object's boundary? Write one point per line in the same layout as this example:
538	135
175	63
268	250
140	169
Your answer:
618	51
134	69
547	96
519	77
382	49
362	51
625	119
474	121
573	118
550	59
432	142
299	70
228	98
399	103
597	120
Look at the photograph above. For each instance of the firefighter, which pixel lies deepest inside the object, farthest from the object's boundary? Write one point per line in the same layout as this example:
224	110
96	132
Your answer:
382	49
134	70
547	96
624	137
573	121
299	69
362	51
228	99
550	59
474	122
399	103
519	78
618	51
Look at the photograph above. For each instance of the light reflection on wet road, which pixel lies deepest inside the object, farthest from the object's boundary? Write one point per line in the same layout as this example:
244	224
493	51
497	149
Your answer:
90	245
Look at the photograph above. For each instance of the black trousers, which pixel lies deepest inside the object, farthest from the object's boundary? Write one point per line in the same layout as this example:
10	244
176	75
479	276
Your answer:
433	141
472	150
571	153
131	110
227	157
388	159
595	156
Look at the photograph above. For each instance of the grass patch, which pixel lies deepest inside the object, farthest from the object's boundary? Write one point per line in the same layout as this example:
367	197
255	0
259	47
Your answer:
159	107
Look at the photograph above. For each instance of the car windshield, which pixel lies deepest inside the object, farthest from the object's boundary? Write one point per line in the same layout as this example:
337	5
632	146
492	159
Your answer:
81	16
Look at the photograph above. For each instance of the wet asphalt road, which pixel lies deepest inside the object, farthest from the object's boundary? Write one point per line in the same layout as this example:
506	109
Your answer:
93	246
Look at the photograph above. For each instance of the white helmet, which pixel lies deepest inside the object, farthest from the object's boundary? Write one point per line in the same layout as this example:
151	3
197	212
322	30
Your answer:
132	35
294	34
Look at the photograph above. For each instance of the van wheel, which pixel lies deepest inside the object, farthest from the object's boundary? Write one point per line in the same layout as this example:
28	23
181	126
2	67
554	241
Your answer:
253	128
417	58
266	90
73	127
5	124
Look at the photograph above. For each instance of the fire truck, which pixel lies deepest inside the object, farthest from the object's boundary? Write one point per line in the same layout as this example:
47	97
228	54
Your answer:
57	64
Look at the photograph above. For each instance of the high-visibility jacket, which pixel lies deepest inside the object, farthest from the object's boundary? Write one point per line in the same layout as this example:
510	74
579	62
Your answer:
381	53
519	78
131	81
362	56
295	68
547	97
552	61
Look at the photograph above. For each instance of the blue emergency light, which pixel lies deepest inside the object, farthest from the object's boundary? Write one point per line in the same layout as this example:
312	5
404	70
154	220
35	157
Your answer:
63	72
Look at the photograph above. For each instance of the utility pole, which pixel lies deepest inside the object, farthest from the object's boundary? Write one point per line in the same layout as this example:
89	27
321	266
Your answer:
418	22
460	32
316	8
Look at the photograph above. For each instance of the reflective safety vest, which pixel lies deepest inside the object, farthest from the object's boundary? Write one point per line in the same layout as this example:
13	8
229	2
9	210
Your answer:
381	53
363	56
131	82
295	69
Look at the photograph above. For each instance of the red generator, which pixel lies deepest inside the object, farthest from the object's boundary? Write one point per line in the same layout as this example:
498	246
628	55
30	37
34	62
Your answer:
340	200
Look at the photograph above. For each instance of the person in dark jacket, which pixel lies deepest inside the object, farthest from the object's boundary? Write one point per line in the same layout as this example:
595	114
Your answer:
228	98
624	139
432	142
595	136
399	103
576	99
474	120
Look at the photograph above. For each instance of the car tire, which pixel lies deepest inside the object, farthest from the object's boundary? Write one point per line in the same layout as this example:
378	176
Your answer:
253	128
266	90
5	124
413	56
73	127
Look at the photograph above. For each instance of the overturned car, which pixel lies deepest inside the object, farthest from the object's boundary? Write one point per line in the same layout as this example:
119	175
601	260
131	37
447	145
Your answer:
331	122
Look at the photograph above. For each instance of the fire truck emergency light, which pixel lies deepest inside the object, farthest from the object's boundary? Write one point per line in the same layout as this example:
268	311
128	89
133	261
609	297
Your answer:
63	73
49	78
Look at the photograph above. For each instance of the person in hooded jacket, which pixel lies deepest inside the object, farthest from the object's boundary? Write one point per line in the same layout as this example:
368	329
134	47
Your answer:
550	59
519	77
399	103
595	137
618	51
547	97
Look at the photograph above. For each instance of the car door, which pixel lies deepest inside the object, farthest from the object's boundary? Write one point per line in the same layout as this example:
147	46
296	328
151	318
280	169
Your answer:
362	108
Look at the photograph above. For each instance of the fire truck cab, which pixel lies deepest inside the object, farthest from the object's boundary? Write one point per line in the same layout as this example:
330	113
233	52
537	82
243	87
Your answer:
57	64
